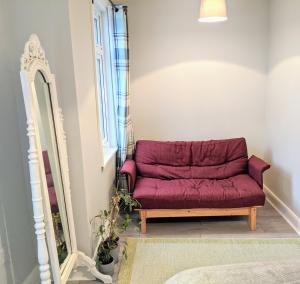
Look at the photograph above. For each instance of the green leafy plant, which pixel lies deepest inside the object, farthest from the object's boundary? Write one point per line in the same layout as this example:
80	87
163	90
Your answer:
62	252
103	250
104	256
112	224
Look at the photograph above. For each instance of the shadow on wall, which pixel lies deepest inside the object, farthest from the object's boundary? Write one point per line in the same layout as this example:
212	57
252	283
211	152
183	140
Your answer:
282	120
278	62
279	179
168	33
284	31
6	273
195	81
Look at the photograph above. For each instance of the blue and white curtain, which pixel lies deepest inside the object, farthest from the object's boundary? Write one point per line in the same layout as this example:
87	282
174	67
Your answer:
125	139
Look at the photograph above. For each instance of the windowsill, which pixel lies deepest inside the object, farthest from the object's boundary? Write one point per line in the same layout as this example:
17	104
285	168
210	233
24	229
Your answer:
108	154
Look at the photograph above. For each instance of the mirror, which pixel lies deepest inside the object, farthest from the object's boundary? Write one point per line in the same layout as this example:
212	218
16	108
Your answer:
48	142
49	172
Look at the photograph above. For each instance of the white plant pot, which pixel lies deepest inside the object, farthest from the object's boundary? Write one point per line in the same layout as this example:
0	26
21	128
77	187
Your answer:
115	253
107	269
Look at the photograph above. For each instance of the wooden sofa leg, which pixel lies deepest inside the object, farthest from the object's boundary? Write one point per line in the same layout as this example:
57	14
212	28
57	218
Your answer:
252	219
143	217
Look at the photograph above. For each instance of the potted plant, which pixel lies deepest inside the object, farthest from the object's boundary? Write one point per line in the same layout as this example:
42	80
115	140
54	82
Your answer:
105	261
120	202
111	225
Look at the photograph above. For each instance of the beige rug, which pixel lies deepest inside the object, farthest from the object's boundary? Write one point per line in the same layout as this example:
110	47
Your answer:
154	261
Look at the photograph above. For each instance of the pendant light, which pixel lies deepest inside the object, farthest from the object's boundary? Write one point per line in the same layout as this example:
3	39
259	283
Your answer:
213	11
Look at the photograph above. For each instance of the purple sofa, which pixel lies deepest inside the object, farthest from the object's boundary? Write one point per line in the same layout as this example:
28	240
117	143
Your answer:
181	178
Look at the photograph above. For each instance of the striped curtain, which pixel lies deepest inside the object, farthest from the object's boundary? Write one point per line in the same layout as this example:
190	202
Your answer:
125	139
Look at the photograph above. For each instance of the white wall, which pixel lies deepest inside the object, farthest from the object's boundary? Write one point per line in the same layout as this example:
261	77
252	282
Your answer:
67	42
97	181
37	17
91	185
17	245
192	81
188	81
283	101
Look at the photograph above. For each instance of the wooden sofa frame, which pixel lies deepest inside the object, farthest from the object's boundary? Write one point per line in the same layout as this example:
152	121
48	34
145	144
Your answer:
200	212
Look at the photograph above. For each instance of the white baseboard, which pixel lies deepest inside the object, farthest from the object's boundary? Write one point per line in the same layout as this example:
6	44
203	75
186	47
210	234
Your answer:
33	277
283	209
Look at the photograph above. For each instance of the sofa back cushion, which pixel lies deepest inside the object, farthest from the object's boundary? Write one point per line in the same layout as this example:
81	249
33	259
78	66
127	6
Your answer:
215	159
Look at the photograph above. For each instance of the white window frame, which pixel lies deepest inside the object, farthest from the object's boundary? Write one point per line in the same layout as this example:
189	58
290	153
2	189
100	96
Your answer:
102	52
100	59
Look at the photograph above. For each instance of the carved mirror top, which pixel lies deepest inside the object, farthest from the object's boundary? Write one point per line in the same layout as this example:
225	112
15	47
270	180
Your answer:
33	51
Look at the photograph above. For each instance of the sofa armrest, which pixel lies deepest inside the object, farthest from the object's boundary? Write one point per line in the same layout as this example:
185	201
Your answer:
129	168
256	168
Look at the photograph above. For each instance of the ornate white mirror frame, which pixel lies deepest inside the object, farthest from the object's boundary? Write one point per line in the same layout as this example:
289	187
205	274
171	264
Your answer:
33	61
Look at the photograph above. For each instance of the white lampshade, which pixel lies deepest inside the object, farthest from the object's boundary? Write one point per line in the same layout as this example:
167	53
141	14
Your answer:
213	11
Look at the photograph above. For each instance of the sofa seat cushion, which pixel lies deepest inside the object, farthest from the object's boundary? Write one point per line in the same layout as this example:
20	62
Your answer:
234	192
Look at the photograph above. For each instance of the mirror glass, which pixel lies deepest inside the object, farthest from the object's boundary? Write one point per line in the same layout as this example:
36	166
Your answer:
52	167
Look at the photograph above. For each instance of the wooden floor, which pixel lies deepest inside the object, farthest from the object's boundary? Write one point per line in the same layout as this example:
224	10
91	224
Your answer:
269	225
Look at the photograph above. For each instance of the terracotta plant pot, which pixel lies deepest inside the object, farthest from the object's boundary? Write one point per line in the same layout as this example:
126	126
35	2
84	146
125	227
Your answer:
107	269
115	253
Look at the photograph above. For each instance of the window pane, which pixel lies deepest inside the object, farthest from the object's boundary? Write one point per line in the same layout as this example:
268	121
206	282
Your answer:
100	30
97	30
102	110
103	66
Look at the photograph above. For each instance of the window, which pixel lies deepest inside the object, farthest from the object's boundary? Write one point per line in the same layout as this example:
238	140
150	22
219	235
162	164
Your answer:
101	80
104	66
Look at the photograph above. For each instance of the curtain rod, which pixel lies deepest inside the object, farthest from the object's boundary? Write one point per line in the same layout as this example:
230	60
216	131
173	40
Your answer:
114	6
